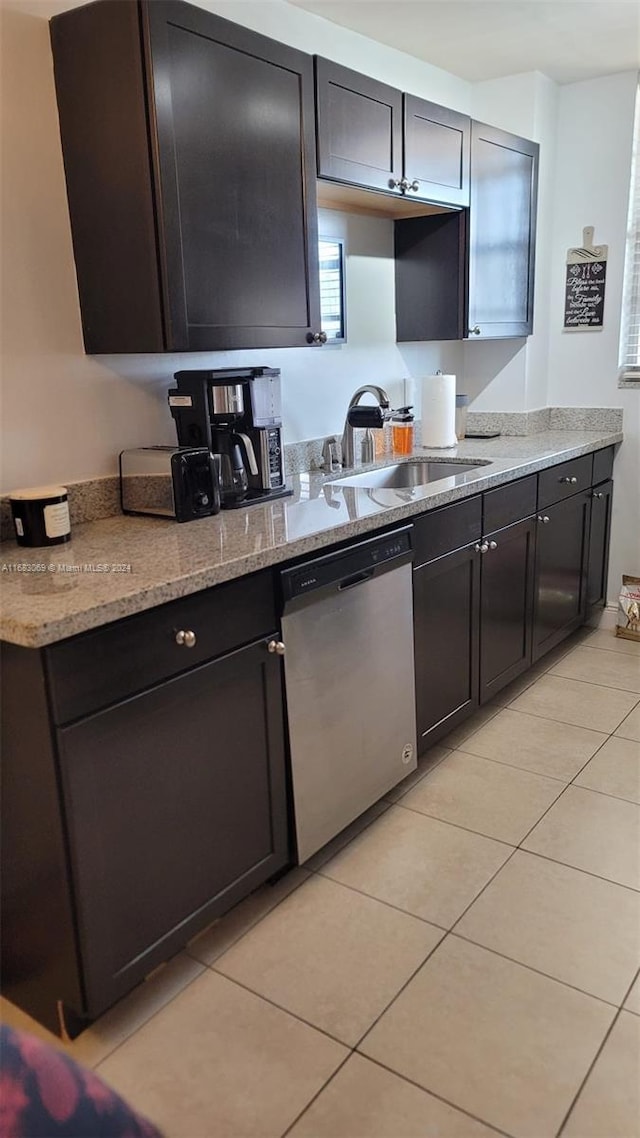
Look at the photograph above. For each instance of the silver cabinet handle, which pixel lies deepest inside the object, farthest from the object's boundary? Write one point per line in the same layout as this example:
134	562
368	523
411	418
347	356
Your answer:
474	331
493	545
186	639
276	647
598	494
569	481
403	184
544	519
481	547
316	337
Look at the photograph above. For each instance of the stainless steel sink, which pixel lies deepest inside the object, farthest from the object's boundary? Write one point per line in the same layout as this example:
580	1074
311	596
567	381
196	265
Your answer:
406	474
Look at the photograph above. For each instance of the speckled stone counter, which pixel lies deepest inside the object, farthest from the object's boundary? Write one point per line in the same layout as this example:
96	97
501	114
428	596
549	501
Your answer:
123	565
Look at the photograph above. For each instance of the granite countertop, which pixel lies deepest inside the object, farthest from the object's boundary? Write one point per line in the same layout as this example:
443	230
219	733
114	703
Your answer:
123	565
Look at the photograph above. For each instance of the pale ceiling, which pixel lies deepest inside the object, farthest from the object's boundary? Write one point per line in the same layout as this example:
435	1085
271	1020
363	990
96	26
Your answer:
567	40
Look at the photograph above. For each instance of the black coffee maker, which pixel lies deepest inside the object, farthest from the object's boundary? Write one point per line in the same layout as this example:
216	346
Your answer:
236	412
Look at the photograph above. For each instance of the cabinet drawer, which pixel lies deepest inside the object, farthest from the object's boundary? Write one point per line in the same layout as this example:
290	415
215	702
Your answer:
561	481
509	504
444	530
96	669
602	465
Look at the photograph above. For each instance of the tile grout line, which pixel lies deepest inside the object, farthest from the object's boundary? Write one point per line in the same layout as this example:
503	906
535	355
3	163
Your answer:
538	971
618	651
479	833
434	1094
525	770
565	722
316	1095
381	901
593	683
596	1057
579	869
387	1007
274	1004
513	767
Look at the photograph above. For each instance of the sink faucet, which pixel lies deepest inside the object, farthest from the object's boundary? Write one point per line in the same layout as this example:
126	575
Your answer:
380	394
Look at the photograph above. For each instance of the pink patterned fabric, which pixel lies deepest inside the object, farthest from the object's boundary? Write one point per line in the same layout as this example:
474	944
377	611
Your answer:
45	1094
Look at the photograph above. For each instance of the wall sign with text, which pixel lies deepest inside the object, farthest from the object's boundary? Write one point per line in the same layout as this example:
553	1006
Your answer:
585	283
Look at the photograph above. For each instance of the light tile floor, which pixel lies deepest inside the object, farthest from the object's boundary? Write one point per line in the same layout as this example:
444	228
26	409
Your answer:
462	961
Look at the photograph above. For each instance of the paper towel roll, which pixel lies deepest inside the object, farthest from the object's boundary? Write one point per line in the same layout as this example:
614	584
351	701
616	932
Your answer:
439	411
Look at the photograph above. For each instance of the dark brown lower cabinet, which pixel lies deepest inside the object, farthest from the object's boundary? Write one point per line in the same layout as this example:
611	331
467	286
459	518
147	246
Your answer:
446	597
176	809
506	601
561	571
601	506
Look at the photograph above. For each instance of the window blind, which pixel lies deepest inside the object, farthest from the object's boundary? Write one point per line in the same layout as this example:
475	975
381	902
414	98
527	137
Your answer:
630	331
332	288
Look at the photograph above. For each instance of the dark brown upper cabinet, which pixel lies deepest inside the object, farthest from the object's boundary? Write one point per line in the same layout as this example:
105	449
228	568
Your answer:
359	128
436	152
374	137
470	274
502	232
189	154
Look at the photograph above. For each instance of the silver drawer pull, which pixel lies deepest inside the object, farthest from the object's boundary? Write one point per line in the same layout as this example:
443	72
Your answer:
493	545
570	481
481	547
186	639
598	494
277	647
544	519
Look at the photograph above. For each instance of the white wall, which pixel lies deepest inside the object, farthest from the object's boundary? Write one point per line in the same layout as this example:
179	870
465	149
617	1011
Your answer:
595	128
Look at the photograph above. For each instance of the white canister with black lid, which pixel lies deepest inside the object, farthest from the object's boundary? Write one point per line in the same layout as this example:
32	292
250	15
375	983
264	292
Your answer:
41	515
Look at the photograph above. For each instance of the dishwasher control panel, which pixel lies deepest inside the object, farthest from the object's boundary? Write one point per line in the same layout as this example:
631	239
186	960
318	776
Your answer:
361	558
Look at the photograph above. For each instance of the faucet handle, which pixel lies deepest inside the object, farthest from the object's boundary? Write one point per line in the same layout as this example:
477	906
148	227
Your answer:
330	454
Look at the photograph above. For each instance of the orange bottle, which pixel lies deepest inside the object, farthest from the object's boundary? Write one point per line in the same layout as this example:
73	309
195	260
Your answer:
402	432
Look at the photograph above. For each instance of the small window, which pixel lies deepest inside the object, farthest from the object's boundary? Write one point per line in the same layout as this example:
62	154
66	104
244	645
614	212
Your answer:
332	291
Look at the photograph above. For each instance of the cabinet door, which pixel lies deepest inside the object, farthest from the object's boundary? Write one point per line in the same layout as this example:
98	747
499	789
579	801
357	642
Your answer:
506	606
601	506
175	809
236	167
436	152
502	224
445	609
359	123
561	570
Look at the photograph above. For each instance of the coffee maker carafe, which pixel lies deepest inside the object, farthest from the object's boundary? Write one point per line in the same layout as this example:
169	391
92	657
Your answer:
236	413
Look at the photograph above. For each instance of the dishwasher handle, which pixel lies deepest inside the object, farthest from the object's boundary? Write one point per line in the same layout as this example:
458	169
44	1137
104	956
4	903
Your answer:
356	579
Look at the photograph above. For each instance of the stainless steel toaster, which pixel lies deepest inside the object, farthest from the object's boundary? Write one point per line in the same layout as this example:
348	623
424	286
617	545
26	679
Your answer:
172	482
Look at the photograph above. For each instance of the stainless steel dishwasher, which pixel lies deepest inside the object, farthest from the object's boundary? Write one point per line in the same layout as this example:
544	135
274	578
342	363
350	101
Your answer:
347	628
